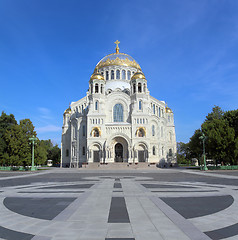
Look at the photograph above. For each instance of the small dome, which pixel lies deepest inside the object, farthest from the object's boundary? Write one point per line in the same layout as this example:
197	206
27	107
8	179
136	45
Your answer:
67	111
138	75
168	110
98	76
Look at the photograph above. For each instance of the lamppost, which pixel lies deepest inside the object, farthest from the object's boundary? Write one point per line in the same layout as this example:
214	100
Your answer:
203	138
33	139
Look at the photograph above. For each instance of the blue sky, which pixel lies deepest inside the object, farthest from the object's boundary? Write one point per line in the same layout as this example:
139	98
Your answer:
49	48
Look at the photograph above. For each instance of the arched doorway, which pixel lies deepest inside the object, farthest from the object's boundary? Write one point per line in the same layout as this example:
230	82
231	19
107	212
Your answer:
118	152
96	153
142	152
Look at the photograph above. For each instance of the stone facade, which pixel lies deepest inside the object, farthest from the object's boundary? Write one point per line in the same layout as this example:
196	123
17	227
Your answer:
118	120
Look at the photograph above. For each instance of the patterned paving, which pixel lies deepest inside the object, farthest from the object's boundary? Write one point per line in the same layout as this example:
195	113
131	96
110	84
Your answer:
123	207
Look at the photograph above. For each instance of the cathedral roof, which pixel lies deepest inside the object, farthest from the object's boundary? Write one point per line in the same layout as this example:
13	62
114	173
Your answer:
121	59
168	110
68	110
97	75
138	75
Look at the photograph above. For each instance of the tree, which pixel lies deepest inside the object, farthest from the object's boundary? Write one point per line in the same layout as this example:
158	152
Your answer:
6	122
41	152
221	143
15	148
55	154
221	130
18	151
216	113
182	153
195	145
232	119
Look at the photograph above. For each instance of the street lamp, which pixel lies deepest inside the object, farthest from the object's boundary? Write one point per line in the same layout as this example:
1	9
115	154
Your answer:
203	138
33	139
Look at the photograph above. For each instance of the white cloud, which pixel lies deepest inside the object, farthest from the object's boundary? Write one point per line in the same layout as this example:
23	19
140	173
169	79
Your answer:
48	128
45	113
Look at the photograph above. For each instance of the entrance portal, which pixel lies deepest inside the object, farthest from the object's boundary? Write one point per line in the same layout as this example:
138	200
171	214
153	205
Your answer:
96	156
118	152
141	156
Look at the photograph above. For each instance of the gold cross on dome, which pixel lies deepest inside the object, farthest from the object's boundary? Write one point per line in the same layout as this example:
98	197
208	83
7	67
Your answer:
117	48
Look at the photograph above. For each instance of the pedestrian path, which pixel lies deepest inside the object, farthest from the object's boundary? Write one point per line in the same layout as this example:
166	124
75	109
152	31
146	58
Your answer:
122	207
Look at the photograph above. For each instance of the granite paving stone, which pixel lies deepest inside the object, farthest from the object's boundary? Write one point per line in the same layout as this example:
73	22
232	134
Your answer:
153	204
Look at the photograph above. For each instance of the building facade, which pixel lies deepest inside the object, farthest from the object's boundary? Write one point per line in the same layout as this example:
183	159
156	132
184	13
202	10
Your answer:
118	120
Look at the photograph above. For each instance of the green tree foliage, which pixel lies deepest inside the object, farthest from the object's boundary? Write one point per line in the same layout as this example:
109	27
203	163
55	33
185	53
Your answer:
15	147
54	154
18	147
221	130
182	153
232	119
195	145
6	122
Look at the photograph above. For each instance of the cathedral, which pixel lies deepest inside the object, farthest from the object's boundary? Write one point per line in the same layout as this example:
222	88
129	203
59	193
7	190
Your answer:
118	121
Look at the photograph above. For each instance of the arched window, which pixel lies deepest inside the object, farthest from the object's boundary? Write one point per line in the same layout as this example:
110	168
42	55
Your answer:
84	132
112	74
96	105
140	105
144	87
128	75
83	152
139	87
118	74
107	75
153	108
101	88
118	113
123	74
170	136
153	130
74	132
141	132
96	88
134	88
153	150
95	133
170	152
159	112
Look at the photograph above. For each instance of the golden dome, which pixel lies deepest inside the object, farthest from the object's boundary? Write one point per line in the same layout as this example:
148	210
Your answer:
138	75
168	110
68	110
118	59
97	75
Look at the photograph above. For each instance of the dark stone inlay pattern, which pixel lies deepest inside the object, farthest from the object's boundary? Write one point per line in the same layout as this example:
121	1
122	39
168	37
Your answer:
86	185
147	185
119	238
186	191
191	207
117	185
13	235
52	192
117	191
43	208
223	232
118	211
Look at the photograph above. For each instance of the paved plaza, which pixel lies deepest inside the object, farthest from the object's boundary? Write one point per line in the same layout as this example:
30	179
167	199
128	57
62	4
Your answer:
139	204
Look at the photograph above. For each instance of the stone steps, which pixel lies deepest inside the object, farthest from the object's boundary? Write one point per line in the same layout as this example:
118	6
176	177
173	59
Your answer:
118	166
